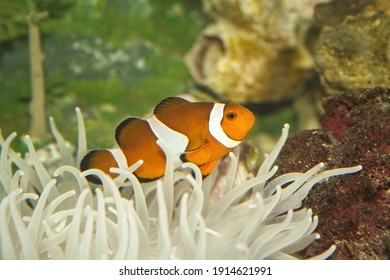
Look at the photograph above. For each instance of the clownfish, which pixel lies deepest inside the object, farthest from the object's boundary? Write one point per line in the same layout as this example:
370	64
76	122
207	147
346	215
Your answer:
197	132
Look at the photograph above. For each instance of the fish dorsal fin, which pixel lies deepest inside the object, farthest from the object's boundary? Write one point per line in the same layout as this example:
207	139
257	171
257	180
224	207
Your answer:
168	104
127	128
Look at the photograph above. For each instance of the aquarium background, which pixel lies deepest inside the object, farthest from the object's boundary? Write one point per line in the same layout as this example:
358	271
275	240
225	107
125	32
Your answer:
111	58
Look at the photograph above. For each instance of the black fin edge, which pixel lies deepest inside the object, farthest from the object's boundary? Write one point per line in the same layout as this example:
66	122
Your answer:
121	126
147	180
169	100
84	165
183	157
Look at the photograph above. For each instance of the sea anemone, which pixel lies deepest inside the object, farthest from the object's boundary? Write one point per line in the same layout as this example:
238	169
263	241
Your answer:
48	210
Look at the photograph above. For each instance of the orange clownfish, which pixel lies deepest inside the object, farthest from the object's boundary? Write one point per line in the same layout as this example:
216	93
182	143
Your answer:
197	132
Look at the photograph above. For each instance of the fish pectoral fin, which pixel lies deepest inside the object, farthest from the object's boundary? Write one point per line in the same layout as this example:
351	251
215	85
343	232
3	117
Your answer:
207	168
198	156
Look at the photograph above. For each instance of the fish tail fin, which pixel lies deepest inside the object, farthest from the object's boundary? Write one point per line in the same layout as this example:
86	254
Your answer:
99	159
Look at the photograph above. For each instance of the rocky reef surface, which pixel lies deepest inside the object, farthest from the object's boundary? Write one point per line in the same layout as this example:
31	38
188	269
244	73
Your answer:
353	210
281	51
355	52
253	50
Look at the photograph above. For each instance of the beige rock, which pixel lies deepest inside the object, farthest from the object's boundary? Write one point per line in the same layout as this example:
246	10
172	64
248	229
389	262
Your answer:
274	21
236	64
355	54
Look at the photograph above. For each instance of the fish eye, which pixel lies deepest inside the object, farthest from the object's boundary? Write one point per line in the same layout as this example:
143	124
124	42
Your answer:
231	116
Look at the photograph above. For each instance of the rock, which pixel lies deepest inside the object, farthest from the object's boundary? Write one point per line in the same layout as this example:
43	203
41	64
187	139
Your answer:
334	12
235	64
356	53
274	21
353	209
255	51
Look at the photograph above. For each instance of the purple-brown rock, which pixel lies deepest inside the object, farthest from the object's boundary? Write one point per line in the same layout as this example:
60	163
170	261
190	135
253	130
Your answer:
353	210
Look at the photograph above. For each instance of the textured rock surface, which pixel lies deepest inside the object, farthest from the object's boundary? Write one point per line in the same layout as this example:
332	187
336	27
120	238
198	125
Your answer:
259	51
274	21
356	53
237	65
354	209
334	12
254	51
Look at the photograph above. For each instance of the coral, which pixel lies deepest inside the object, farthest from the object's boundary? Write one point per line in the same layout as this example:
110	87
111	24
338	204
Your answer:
355	53
354	210
58	215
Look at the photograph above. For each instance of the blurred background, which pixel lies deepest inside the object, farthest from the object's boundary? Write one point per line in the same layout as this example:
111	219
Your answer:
111	58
